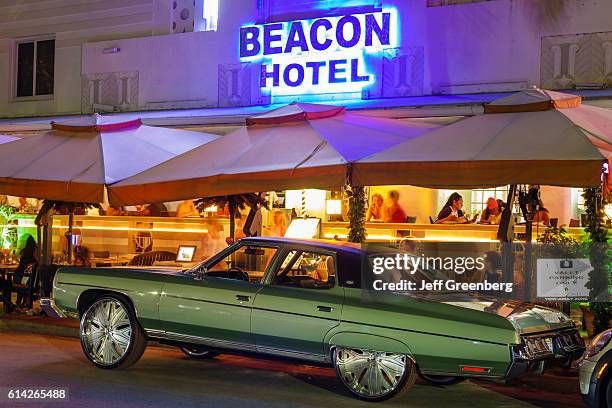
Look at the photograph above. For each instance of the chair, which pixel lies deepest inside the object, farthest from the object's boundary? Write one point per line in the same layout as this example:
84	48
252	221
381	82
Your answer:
101	254
411	220
149	258
29	289
574	223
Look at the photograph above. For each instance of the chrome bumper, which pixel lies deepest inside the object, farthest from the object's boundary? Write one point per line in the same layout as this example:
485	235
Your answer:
537	352
50	308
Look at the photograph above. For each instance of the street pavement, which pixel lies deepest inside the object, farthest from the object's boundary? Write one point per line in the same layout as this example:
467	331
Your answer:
164	377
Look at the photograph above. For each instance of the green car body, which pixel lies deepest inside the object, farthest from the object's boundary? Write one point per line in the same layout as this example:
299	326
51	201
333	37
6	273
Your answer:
442	339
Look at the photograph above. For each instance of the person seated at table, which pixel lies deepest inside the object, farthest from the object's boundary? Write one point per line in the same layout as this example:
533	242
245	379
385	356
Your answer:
451	212
153	210
114	211
187	209
393	212
493	266
492	213
28	259
24	206
375	211
541	215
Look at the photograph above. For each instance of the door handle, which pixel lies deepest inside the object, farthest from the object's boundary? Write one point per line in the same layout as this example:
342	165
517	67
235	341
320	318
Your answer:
243	298
325	308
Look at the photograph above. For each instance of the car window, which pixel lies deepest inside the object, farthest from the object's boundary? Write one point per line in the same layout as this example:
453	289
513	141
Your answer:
350	266
305	269
247	262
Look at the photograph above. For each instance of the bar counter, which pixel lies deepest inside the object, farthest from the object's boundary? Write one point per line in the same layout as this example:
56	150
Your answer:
378	231
117	234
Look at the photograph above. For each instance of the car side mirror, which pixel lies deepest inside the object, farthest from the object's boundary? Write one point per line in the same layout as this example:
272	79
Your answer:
200	273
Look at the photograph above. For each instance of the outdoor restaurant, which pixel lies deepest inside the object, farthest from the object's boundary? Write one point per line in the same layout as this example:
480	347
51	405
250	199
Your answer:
423	185
296	171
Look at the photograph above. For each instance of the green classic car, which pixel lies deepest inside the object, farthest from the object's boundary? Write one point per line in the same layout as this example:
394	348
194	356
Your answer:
302	299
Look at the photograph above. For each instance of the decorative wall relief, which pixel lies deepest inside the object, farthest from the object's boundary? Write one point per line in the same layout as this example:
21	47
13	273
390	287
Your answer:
116	91
238	85
402	73
580	58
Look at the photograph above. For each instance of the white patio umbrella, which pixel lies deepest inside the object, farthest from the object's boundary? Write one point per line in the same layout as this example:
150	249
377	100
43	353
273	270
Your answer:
531	137
300	145
76	159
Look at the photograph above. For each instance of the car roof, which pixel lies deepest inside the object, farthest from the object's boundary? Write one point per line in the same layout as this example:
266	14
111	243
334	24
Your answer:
321	243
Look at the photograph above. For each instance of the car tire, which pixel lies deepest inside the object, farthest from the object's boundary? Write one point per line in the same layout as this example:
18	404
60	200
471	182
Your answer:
111	336
198	353
393	373
441	379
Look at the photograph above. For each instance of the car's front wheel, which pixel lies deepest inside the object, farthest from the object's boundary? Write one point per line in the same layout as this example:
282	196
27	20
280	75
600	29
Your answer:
198	352
374	375
110	334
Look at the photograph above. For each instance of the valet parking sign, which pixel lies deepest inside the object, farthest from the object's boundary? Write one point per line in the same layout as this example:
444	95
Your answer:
319	56
563	279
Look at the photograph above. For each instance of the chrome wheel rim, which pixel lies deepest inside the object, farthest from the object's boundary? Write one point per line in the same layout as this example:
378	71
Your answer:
370	374
106	332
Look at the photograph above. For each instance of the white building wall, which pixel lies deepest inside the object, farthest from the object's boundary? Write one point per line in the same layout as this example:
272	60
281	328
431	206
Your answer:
72	22
464	48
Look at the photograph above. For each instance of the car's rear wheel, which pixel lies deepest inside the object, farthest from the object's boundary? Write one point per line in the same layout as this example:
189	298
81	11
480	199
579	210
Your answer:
198	352
374	375
110	334
441	379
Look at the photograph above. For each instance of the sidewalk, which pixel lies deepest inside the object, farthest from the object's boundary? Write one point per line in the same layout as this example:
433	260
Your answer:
39	325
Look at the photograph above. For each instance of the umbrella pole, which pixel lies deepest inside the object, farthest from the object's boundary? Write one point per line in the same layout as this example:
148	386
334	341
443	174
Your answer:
70	244
505	234
528	256
232	221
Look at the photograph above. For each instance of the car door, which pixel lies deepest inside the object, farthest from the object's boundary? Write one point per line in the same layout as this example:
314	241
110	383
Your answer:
215	307
300	302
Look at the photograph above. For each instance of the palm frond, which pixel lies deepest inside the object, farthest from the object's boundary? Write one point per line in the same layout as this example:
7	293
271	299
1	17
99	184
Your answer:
236	201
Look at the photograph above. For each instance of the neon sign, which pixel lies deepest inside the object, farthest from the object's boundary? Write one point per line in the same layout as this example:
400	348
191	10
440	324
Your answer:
320	56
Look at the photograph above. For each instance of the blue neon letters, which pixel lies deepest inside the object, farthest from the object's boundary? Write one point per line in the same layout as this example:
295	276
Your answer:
323	51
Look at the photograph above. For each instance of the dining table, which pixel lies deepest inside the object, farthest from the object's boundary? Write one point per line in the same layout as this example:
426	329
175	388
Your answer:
6	284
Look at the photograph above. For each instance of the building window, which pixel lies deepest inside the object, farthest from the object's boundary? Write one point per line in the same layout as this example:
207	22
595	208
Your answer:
35	62
210	15
480	197
206	16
